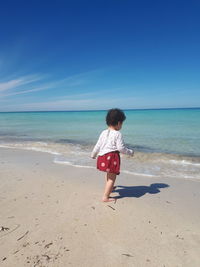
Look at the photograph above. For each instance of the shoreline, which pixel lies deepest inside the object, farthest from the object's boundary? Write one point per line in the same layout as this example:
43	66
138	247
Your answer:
103	110
142	164
56	211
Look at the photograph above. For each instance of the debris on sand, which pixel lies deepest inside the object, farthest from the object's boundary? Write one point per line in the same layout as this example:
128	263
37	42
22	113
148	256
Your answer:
2	228
48	245
111	207
22	236
128	255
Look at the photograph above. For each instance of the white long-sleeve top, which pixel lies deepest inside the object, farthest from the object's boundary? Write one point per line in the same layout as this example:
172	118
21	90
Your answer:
110	140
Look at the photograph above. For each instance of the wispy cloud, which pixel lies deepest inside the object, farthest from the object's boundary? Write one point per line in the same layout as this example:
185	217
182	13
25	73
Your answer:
38	83
76	92
26	91
12	84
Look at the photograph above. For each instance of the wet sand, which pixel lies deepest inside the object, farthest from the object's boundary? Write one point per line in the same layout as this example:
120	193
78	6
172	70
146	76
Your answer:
52	215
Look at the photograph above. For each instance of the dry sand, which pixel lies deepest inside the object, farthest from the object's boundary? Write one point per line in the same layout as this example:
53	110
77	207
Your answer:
51	215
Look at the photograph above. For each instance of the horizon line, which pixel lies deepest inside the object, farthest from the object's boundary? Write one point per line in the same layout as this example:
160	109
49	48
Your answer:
93	110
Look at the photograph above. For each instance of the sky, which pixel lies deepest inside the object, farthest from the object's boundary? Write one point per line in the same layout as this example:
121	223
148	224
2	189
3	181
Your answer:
92	55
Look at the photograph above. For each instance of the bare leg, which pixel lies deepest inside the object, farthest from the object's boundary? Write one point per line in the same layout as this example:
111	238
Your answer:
106	179
110	180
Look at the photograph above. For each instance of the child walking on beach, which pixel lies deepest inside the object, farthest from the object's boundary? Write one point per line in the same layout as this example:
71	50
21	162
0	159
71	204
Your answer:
108	148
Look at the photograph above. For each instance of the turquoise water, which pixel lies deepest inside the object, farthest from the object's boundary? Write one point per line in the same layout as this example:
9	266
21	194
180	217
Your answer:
172	135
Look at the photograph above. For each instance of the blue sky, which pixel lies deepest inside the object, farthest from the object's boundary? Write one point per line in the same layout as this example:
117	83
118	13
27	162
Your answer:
82	55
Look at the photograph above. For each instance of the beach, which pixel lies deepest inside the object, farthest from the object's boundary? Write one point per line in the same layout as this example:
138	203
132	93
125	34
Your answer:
100	134
52	215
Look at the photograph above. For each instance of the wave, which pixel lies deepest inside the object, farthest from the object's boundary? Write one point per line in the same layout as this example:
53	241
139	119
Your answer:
142	164
184	162
10	137
72	164
31	148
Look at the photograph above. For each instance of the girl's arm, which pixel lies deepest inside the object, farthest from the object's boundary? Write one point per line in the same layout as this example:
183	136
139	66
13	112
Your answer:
121	146
96	149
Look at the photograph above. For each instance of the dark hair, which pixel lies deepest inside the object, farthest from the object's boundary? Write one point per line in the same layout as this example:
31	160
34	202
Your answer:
114	116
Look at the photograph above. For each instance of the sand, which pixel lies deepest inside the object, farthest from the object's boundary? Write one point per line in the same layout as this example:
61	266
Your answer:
51	215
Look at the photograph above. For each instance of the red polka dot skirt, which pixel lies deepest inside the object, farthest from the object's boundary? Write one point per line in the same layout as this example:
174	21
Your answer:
109	162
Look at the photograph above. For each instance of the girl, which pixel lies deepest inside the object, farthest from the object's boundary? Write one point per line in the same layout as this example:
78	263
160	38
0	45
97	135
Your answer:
108	148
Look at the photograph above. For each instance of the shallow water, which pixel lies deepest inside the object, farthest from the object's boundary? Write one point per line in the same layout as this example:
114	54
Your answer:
166	142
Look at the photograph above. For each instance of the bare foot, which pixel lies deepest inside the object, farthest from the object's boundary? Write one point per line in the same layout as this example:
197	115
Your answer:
110	199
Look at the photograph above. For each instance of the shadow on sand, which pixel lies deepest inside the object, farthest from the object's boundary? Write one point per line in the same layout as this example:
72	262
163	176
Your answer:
138	191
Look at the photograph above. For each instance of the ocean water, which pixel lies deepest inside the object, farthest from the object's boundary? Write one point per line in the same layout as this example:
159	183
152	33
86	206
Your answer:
166	142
